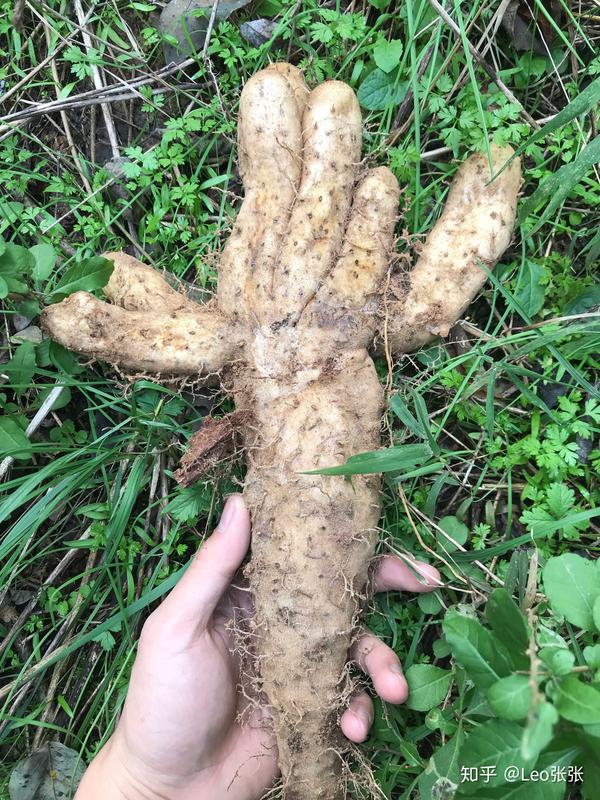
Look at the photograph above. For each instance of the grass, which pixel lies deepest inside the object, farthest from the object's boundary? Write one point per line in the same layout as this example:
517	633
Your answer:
94	528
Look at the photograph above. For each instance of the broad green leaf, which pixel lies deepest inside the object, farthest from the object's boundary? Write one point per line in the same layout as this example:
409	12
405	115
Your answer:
482	655
391	459
529	789
456	530
49	772
379	90
495	745
3	288
21	367
13	441
428	686
577	701
572	585
16	262
596	613
560	662
538	731
87	275
529	291
591	653
45	259
557	186
509	625
443	768
387	55
510	697
589	298
429	603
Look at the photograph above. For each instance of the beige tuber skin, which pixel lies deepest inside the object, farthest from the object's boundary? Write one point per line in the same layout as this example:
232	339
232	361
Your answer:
302	295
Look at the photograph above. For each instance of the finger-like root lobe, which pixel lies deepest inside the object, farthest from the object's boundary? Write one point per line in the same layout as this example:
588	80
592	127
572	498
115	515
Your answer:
471	235
313	537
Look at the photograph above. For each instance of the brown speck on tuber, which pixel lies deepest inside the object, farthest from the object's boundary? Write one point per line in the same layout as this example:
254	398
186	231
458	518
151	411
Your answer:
303	294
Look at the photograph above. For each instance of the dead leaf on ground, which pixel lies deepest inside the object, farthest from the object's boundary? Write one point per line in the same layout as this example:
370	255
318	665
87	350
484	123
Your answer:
50	773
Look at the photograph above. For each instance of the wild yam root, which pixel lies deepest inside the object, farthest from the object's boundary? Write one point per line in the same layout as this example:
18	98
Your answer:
300	301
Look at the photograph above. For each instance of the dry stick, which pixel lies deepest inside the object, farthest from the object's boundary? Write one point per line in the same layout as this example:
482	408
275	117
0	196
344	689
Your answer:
484	40
43	63
63	115
56	572
404	108
458	546
98	82
35	423
49	715
96	96
493	75
211	24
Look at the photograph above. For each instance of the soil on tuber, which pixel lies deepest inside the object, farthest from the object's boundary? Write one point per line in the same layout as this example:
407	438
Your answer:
305	291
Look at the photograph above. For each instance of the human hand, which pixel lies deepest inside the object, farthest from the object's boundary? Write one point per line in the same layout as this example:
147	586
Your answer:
188	728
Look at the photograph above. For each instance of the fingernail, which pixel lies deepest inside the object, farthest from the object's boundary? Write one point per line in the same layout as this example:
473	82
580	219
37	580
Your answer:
229	511
396	669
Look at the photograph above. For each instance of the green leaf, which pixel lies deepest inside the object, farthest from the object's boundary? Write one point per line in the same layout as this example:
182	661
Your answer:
391	459
529	291
16	262
596	613
510	697
13	441
560	662
428	686
443	768
21	367
483	657
269	8
529	789
539	731
45	259
509	625
577	701
495	745
584	101
387	55
591	653
429	603
400	409
572	585
189	504
558	185
379	90
87	275
3	288
560	499
456	530
586	300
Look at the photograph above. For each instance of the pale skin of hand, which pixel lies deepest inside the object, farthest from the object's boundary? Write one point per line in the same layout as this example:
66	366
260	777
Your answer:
180	736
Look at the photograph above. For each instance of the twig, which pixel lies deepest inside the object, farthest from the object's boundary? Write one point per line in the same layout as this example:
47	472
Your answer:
56	572
35	423
98	82
211	24
483	63
404	108
63	114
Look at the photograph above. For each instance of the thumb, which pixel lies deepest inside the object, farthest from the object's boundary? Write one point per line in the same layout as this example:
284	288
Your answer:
195	598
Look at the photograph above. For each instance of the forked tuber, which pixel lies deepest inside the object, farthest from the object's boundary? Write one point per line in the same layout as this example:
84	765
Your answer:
304	292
